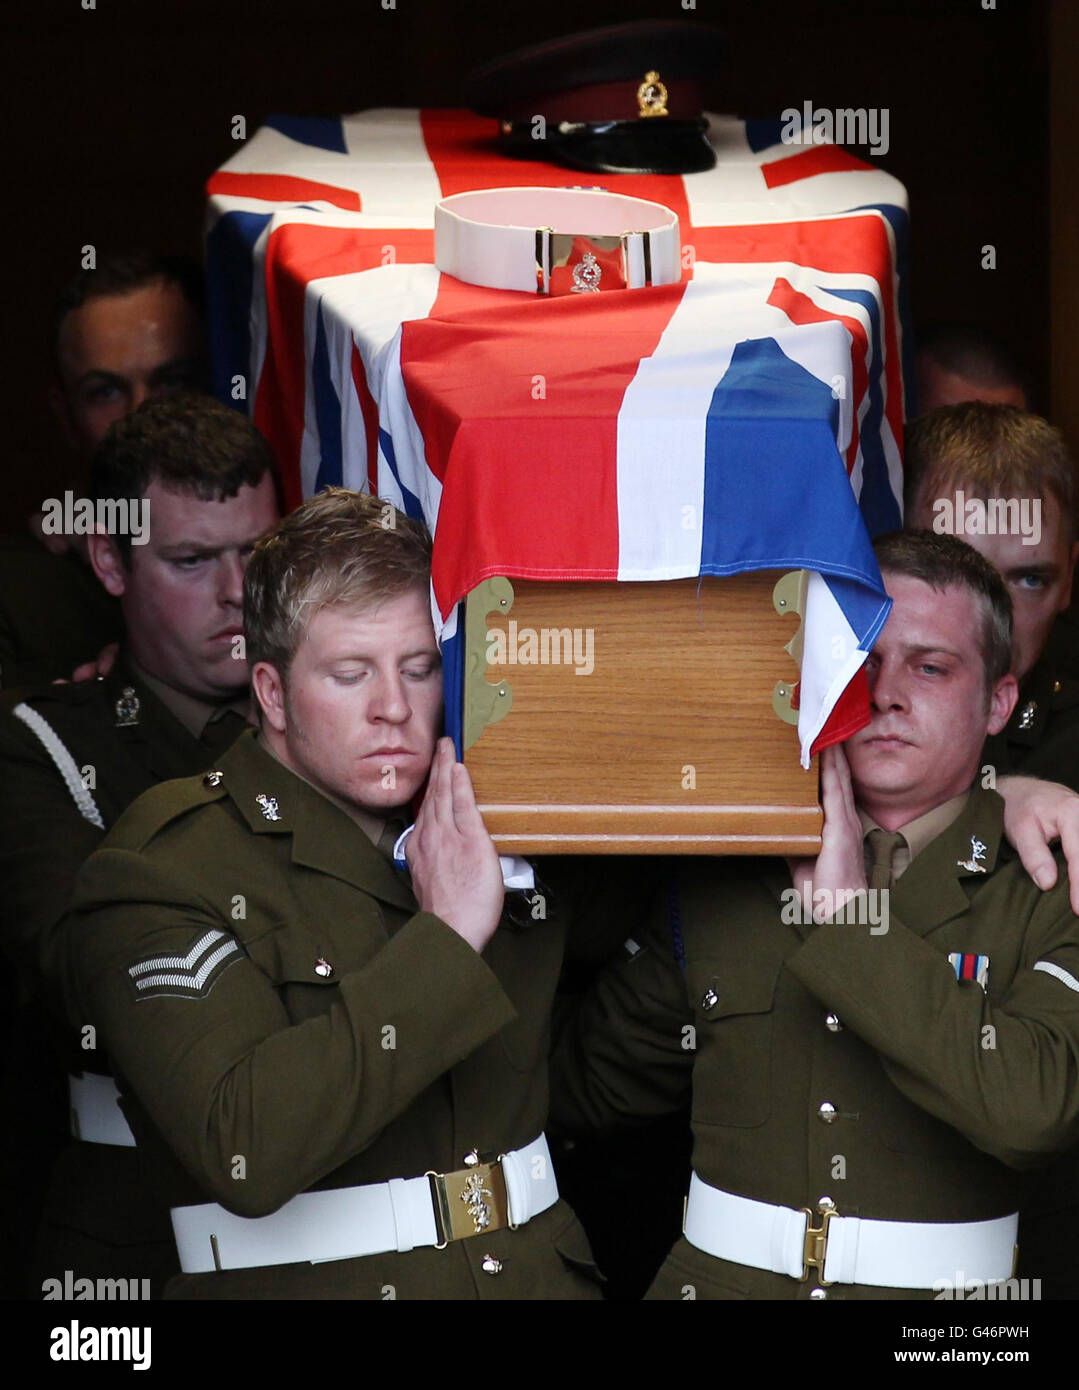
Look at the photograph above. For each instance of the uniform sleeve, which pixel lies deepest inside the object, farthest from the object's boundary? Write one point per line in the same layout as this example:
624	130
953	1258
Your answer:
201	1036
622	1051
44	841
1002	1067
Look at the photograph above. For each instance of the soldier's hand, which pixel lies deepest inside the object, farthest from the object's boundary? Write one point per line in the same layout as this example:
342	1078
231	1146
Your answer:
839	869
453	861
1036	814
101	665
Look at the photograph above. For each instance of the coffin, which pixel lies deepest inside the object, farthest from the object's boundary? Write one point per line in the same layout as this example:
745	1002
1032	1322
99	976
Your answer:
650	718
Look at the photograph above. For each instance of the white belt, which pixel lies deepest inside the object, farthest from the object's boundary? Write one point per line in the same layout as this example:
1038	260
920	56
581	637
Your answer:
847	1249
345	1223
96	1116
557	240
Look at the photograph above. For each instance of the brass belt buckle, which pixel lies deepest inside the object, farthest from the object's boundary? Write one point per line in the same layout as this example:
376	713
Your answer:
815	1250
469	1202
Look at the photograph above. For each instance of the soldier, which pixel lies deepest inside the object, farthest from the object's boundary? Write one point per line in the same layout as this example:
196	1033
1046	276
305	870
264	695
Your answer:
74	756
996	452
1005	482
339	1078
127	331
867	1082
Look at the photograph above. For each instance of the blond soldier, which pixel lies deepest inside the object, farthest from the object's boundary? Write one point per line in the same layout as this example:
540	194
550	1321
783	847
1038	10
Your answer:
338	1075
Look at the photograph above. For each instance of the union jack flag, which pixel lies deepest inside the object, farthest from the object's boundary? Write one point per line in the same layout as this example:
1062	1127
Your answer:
747	418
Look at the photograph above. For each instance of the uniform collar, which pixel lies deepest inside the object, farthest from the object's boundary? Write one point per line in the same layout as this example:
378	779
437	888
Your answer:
921	831
142	721
934	888
371	825
192	713
274	801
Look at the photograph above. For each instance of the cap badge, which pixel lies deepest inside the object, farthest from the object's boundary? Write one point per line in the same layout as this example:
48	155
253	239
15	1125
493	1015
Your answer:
977	851
269	806
1027	713
652	96
127	707
587	274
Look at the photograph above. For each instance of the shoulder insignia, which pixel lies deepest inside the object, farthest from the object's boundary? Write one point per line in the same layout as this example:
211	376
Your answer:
159	806
192	976
63	761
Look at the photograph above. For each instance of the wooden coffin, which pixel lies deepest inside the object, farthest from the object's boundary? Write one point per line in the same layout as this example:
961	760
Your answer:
676	737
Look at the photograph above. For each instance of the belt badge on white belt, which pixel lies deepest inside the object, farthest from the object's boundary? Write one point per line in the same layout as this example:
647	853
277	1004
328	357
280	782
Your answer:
472	1196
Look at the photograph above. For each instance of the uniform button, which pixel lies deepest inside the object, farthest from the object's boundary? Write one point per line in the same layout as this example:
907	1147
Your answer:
490	1265
818	1293
710	1000
832	1023
471	1159
323	968
1056	687
825	1204
827	1112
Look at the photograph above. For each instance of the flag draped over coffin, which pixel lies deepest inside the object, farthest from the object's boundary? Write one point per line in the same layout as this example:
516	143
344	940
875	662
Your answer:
748	418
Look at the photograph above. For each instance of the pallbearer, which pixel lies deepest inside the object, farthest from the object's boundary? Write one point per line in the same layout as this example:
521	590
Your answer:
336	1070
868	1086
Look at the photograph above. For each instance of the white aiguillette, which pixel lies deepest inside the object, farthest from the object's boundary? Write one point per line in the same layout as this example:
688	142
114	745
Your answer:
557	240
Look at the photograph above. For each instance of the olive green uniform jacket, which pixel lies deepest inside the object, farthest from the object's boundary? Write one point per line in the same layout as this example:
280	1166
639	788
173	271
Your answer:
943	1093
99	1220
265	1074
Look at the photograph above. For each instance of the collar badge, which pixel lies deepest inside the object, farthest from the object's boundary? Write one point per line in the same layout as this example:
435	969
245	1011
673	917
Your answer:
1026	715
977	852
268	805
127	708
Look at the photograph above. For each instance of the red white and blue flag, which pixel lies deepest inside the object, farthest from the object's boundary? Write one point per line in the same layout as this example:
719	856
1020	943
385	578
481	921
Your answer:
748	418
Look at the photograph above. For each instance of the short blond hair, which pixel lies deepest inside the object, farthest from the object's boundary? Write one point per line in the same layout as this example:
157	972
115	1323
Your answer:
339	549
988	450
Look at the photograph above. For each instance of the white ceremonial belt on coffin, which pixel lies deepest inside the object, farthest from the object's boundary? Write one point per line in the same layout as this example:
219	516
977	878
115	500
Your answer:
96	1117
847	1249
344	1223
557	240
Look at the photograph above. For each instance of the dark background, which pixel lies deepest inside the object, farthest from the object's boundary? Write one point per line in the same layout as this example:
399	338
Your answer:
117	115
